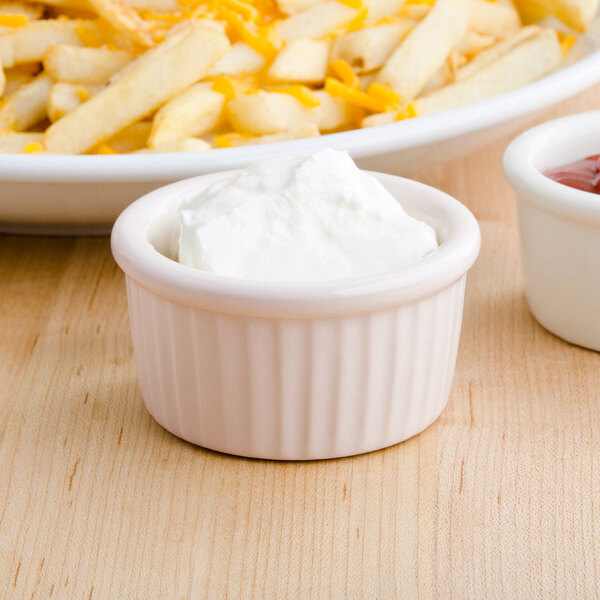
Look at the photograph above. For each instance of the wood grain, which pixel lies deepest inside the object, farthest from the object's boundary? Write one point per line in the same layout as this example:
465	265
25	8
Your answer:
498	499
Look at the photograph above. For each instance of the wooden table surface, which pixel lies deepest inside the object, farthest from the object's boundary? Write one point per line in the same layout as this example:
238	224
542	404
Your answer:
498	499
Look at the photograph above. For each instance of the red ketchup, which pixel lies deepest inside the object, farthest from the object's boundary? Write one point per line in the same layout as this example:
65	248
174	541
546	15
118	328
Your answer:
582	174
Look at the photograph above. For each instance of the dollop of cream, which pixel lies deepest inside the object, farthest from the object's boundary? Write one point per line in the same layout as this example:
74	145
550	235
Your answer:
315	218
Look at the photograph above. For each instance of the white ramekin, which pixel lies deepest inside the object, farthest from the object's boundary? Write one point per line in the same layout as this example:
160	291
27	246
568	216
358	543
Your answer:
559	227
294	371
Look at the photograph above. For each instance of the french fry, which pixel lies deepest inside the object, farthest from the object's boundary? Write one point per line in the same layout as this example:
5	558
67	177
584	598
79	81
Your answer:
176	34
65	97
29	43
366	79
194	112
443	77
85	6
531	12
292	7
494	52
216	25
455	69
30	10
70	4
151	80
132	138
379	119
2	81
158	6
415	12
378	9
124	19
447	74
188	144
332	113
455	61
102	33
301	61
15	78
498	19
316	22
74	64
266	113
367	49
17	141
240	59
523	63
304	131
426	47
26	106
473	43
574	13
55	12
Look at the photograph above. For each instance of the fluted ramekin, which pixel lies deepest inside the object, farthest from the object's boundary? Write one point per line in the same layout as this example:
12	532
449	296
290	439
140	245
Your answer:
559	227
294	371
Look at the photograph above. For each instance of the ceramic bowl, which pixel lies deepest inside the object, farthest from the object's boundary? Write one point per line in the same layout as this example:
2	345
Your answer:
288	370
559	227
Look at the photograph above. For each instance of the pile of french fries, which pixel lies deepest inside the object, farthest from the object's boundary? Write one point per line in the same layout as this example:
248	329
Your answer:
121	76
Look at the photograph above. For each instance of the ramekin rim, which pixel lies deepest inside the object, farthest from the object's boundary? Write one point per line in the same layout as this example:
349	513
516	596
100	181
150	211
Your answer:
537	189
168	278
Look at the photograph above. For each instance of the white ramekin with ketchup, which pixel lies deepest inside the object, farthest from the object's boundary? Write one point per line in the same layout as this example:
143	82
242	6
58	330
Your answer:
559	224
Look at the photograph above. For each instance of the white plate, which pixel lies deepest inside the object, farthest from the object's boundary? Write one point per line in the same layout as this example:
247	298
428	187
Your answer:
84	194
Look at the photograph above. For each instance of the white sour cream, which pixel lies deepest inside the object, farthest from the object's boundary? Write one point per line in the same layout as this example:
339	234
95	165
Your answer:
315	218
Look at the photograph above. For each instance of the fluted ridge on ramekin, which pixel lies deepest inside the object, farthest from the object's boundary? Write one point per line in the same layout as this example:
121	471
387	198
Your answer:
296	389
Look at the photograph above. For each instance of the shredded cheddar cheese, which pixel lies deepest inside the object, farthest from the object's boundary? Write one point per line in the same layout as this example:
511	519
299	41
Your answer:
227	140
268	9
353	96
163	17
245	9
566	41
358	22
345	73
33	147
384	93
388	20
301	93
83	94
105	149
357	114
411	110
198	11
357	4
13	20
88	36
225	86
244	32
408	112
